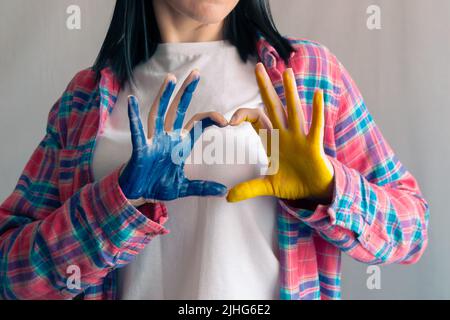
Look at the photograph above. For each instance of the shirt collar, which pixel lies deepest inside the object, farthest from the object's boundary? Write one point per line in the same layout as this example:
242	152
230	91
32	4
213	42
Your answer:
110	86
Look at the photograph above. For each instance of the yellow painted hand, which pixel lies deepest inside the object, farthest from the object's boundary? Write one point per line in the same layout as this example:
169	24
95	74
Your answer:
304	171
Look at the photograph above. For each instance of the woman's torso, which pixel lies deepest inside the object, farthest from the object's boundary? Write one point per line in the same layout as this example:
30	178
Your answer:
215	250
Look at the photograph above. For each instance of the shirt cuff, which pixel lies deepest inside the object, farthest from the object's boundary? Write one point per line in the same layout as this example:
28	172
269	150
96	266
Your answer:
120	220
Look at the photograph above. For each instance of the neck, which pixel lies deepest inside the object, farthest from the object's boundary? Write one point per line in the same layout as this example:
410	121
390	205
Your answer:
176	27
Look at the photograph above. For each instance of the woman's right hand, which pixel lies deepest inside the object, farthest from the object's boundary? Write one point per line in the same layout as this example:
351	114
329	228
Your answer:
155	171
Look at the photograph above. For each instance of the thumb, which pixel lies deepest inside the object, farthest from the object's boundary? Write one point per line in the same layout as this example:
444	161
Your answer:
250	189
202	188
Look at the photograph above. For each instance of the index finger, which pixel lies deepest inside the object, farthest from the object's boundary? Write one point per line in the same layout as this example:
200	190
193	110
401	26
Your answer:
256	117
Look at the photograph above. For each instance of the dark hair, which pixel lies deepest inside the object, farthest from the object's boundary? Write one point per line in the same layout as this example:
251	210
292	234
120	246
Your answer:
133	35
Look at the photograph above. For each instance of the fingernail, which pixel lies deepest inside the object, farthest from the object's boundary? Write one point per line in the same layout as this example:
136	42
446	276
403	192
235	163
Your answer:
132	99
171	77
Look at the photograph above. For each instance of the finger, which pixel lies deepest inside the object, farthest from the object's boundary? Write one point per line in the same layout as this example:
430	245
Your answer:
205	120
163	105
202	188
316	131
177	111
159	107
293	103
199	123
270	98
250	189
259	121
257	117
138	137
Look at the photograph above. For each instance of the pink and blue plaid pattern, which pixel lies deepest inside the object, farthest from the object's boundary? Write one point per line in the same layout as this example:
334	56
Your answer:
58	216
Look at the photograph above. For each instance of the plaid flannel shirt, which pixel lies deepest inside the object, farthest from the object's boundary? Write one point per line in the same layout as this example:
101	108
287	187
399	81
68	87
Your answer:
59	217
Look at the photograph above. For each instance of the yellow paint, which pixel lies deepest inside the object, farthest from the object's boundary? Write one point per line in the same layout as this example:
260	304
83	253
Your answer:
304	172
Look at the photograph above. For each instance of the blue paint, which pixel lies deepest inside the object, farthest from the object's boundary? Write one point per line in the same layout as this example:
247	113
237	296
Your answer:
197	131
151	174
184	104
163	105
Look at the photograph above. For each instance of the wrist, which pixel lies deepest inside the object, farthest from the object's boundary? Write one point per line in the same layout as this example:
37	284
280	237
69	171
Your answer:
320	198
306	204
137	203
326	193
326	197
122	184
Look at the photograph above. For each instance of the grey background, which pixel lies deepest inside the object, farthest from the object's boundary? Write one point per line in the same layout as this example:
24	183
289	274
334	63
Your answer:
403	71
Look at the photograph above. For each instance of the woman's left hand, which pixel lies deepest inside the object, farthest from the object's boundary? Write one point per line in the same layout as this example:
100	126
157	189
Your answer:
304	171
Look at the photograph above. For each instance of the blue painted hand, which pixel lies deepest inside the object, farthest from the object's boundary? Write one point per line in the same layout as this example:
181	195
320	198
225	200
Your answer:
152	174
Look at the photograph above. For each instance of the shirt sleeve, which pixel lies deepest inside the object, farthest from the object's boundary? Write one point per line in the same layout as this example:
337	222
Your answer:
42	241
378	214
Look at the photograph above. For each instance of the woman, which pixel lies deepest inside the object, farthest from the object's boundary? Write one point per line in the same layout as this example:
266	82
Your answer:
338	185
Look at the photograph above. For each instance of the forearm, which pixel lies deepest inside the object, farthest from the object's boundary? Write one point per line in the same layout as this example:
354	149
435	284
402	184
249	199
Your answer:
372	223
96	230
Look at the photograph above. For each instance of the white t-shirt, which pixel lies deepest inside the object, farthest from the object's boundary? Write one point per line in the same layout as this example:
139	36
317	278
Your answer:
215	250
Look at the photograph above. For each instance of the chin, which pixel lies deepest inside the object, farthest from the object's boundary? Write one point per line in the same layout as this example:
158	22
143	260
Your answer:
208	11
